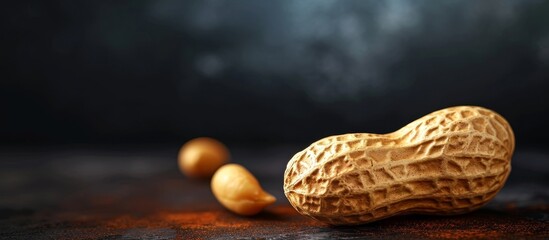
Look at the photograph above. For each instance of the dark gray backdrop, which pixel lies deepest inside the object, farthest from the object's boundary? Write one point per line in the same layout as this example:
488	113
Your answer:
265	71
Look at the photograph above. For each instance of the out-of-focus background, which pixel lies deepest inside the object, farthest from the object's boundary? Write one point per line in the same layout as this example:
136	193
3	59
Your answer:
264	72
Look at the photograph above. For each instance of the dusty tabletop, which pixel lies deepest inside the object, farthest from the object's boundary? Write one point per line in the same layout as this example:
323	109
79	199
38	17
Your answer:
139	193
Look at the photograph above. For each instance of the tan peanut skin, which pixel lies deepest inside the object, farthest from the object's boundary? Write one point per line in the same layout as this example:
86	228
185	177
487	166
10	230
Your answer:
451	161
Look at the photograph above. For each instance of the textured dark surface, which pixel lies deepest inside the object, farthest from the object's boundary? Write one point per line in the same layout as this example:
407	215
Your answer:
138	193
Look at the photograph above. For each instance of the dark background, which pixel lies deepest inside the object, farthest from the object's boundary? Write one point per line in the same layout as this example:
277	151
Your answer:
264	72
